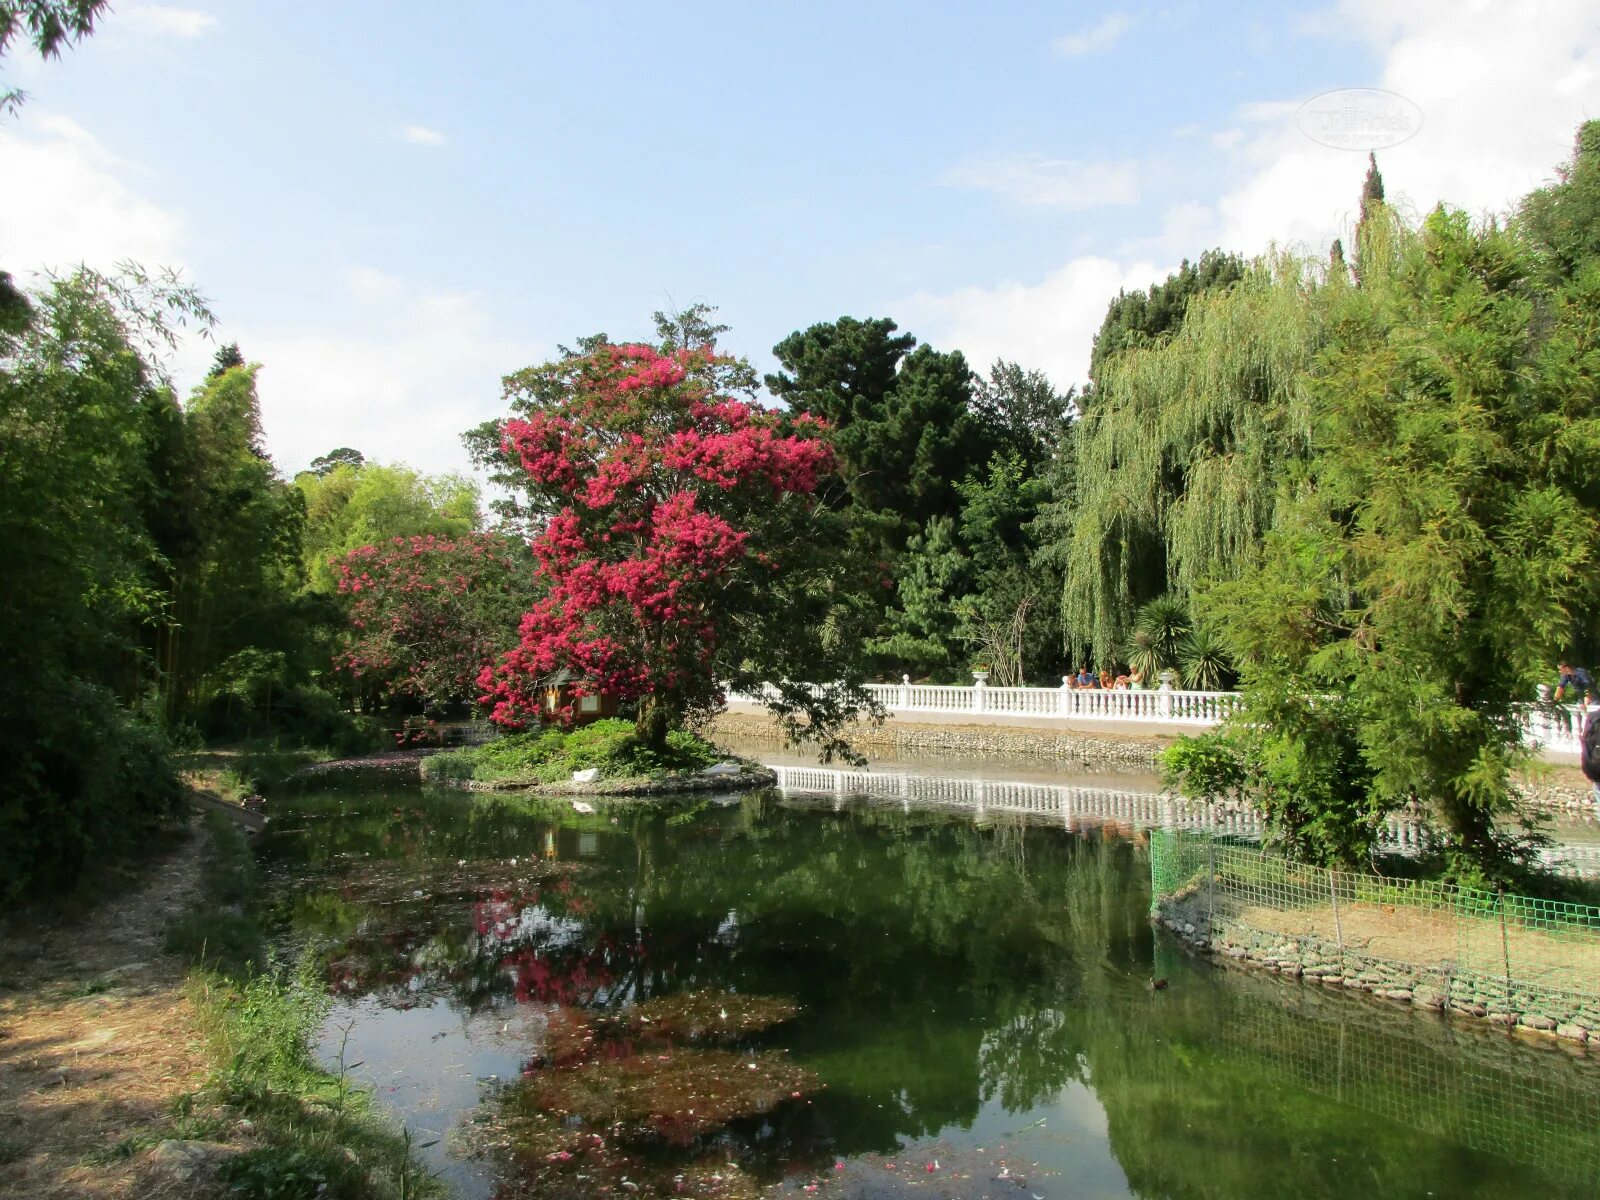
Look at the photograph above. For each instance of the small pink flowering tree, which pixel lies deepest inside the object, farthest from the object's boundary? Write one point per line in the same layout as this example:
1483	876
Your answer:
425	613
683	544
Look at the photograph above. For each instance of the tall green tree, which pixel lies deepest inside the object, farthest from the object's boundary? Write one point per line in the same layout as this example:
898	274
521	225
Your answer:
370	504
1185	447
905	426
82	415
1446	537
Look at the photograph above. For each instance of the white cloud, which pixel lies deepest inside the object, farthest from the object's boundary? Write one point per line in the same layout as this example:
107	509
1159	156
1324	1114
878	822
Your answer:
74	206
1040	182
411	372
1049	325
1502	88
1096	38
401	377
421	135
169	21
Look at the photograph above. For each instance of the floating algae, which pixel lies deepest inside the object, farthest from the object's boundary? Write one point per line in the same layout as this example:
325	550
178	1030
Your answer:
676	1095
630	1104
711	1015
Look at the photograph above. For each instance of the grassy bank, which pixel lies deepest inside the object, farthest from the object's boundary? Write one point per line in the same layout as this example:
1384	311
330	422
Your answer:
611	747
310	1132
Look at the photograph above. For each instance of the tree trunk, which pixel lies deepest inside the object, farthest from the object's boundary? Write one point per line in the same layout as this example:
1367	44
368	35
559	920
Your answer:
654	722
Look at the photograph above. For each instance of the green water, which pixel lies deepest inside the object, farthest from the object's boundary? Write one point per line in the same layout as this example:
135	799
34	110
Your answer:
978	1013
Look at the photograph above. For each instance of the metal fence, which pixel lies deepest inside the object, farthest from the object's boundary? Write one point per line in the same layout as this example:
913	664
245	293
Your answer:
1515	959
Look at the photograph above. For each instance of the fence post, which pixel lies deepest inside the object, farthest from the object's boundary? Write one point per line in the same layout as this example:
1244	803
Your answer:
905	691
1505	945
978	699
1338	930
1064	696
1164	696
1211	888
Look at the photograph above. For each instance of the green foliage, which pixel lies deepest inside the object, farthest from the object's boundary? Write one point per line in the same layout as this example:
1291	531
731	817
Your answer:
80	780
352	503
551	755
905	426
1204	662
1160	631
1145	317
968	587
1208	766
1186	446
222	932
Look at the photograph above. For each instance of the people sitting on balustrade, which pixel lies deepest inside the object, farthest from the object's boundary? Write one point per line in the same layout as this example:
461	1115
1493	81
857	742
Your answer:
1574	682
1085	678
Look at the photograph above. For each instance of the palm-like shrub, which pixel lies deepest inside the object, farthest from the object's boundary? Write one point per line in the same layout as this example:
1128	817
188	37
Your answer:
1203	662
1159	631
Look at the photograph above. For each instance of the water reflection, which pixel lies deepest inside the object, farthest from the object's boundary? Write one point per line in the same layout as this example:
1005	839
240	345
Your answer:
975	999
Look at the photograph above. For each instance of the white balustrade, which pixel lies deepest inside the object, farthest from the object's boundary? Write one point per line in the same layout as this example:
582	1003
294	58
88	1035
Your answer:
1555	728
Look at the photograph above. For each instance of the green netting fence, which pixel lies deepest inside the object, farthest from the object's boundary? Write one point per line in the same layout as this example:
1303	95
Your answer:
1516	959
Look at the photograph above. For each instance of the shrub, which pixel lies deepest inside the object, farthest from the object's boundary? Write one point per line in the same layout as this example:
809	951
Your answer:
80	780
552	755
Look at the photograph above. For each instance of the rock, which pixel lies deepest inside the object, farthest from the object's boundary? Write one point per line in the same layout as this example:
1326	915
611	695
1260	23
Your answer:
1427	997
722	768
587	775
1538	1021
1399	994
186	1161
1577	1033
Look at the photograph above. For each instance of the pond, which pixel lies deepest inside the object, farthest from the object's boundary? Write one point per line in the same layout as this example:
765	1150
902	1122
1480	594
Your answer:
781	995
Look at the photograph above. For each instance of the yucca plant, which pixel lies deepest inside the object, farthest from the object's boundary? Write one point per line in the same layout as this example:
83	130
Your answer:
1203	661
1159	630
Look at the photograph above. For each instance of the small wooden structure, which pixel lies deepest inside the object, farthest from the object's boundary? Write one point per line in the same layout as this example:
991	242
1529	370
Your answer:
560	691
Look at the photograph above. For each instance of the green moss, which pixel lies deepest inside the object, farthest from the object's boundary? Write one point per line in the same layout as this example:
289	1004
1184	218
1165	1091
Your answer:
551	755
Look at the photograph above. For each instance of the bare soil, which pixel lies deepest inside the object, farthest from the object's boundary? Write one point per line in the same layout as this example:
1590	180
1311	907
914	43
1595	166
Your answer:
1569	959
97	1043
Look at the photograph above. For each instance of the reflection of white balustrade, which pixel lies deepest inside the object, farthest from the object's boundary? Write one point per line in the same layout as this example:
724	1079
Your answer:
1075	805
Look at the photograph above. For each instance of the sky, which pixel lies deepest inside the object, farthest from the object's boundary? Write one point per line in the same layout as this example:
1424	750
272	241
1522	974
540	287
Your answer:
391	206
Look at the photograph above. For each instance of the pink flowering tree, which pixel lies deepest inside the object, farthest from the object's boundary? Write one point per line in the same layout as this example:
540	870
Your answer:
680	543
424	614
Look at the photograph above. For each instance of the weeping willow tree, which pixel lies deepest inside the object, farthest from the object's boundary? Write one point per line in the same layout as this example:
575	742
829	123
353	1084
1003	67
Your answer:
1186	454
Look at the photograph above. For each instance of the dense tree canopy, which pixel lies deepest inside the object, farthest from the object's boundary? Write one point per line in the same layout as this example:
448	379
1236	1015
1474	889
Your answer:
351	503
904	424
685	547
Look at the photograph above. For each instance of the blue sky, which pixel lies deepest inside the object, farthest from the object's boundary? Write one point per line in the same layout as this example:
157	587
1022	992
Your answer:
392	205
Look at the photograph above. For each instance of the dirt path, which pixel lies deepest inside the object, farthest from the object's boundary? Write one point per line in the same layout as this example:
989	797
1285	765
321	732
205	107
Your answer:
97	1042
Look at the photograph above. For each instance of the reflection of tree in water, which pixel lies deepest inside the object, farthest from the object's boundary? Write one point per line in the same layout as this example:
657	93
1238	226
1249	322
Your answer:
936	965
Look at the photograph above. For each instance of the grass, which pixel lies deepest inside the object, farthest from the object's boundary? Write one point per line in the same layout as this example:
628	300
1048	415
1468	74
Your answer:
247	768
551	756
315	1134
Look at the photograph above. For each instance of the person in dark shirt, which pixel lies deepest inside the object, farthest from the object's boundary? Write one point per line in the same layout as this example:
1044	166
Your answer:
1575	680
1589	751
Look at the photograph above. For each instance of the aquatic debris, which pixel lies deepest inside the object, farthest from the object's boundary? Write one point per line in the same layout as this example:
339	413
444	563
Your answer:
693	1092
711	1014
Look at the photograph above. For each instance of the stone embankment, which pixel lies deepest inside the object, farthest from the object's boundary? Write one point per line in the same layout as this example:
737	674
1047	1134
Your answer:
1441	987
978	741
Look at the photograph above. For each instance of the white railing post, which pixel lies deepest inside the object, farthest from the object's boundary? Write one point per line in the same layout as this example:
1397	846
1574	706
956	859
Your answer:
905	691
1164	696
979	701
1064	696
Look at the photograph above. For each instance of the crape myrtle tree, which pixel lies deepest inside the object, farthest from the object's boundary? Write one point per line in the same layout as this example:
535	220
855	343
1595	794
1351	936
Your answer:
683	543
425	613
